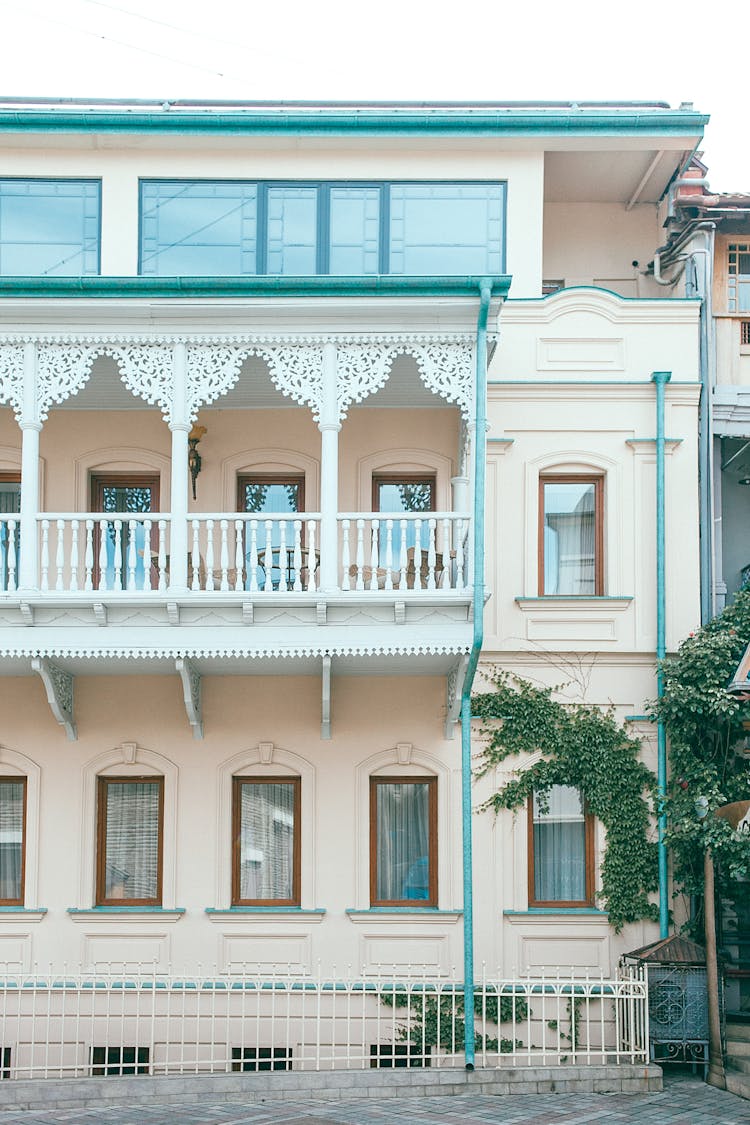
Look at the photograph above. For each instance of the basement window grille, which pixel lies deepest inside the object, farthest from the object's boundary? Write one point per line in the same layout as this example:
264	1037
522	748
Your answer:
387	1055
745	333
118	1061
261	1058
4	1062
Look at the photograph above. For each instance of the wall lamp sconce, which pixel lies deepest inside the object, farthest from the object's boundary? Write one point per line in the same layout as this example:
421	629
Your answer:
195	461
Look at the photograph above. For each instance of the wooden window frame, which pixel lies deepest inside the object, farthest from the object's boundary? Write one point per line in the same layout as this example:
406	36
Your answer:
237	783
402	478
19	780
597	479
101	831
100	481
589	900
270	478
416	903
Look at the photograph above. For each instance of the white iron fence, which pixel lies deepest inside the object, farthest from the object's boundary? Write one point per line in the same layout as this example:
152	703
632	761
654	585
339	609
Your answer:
64	1024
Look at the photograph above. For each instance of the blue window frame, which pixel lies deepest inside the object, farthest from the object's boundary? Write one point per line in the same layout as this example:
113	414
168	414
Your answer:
230	228
49	227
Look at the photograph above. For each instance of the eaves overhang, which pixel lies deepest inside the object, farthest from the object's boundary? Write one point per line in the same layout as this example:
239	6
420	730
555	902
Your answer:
395	121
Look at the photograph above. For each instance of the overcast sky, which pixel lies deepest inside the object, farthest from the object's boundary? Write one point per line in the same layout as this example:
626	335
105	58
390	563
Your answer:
392	49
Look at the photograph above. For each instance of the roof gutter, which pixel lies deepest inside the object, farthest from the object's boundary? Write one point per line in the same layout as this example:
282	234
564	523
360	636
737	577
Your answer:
320	122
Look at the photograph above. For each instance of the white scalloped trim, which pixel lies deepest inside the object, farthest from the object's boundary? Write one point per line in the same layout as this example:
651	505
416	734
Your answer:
66	651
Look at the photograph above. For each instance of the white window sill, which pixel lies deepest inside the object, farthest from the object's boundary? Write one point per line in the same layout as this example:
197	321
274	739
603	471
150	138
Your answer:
22	913
261	913
126	914
564	603
428	915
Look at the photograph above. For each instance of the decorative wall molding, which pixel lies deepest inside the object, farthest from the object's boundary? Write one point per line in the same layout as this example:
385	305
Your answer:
127	759
58	685
191	691
11	762
265	759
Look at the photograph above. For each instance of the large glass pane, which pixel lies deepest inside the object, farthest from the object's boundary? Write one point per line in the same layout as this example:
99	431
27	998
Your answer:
10	531
292	230
49	227
199	229
12	802
559	846
446	228
354	231
266	841
132	815
569	537
402	818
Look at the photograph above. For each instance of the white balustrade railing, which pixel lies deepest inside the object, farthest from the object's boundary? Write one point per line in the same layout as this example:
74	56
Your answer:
112	553
94	552
9	552
254	552
404	551
68	1022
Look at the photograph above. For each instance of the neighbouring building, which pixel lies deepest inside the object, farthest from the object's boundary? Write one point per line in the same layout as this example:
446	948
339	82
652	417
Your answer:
240	348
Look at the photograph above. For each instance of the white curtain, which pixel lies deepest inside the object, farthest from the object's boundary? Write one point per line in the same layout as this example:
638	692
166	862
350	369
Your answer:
11	840
559	846
569	538
132	840
267	841
403	841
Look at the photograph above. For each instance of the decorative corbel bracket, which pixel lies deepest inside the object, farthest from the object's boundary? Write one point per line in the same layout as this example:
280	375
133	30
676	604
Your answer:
59	687
191	691
325	722
454	686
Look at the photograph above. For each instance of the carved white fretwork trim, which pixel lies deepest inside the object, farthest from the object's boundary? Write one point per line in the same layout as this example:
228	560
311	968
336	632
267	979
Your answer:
212	370
296	371
11	377
59	687
147	372
61	371
448	371
453	689
361	370
209	652
325	716
191	690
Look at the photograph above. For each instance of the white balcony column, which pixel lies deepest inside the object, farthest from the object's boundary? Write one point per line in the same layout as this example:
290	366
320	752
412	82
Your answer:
180	426
31	427
471	429
329	427
460	494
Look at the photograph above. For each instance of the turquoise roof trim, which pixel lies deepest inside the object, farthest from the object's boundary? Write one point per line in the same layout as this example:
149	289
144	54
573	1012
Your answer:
252	286
327	122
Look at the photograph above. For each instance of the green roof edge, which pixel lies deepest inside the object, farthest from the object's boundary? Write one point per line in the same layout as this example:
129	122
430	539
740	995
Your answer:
252	286
477	122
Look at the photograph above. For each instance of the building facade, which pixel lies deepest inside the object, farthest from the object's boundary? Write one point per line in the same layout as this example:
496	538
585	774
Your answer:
242	357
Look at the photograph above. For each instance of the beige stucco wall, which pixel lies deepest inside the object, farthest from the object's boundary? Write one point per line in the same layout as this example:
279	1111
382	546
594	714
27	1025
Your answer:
376	727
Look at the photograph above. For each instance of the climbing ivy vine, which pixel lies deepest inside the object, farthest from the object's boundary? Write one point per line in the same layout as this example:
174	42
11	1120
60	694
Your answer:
585	747
707	741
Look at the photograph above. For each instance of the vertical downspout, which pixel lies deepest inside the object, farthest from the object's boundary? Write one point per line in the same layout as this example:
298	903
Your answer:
480	453
661	378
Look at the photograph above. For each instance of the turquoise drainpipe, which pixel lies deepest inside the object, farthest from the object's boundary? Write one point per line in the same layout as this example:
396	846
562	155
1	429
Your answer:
480	453
661	378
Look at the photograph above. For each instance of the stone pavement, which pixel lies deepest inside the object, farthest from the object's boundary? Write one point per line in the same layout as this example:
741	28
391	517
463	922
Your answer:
684	1101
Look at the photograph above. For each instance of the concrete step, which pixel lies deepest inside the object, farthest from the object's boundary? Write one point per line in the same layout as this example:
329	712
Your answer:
738	1064
738	1031
738	1084
740	1047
